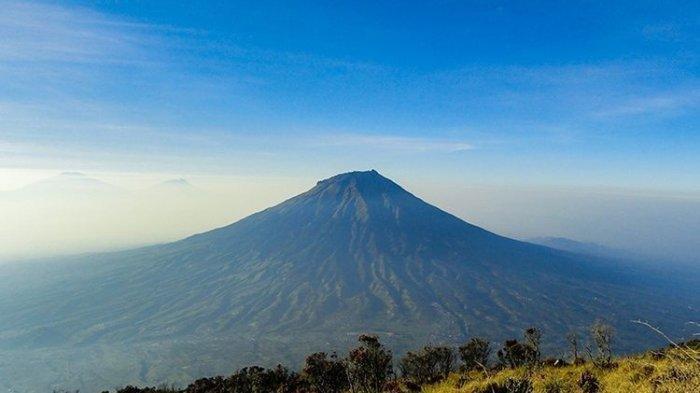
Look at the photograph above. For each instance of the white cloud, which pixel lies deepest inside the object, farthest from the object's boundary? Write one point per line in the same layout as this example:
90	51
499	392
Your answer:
42	32
656	104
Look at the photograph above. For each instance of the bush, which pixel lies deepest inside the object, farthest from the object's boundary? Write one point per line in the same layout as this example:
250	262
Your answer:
134	389
518	385
207	385
556	386
257	379
393	386
325	374
369	366
511	385
602	335
693	344
475	354
429	365
588	383
555	362
412	387
514	354
251	380
572	339
532	337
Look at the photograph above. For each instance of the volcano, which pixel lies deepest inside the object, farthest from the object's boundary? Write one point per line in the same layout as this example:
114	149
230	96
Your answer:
356	253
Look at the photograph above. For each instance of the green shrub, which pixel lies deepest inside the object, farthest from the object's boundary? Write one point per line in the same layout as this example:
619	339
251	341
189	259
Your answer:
588	383
557	386
511	385
325	374
515	354
429	365
369	366
475	354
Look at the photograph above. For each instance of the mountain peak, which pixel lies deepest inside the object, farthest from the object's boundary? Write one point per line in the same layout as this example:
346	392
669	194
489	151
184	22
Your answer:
353	175
366	183
177	182
72	174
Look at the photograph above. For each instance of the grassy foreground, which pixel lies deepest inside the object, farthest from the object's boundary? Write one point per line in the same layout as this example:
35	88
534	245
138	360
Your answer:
672	371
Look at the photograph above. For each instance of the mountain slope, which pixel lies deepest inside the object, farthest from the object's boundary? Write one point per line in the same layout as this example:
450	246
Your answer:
355	253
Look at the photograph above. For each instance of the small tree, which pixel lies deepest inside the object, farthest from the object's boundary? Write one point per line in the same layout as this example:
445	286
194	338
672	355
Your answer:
369	366
572	339
588	383
510	385
515	354
602	336
533	337
213	384
430	364
475	354
253	379
283	381
444	360
325	374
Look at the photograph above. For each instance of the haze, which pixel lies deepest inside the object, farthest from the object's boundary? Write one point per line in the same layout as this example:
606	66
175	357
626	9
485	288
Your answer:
60	215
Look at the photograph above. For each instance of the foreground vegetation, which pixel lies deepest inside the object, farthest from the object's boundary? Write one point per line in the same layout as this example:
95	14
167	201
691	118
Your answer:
517	367
669	372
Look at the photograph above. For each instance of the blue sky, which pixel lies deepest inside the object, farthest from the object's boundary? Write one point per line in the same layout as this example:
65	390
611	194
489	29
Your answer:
530	93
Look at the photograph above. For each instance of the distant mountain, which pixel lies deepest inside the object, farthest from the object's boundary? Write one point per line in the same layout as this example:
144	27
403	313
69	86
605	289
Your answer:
173	188
69	182
585	248
356	253
178	183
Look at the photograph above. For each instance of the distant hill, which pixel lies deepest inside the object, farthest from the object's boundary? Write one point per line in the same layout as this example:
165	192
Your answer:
172	189
585	248
356	253
174	184
68	182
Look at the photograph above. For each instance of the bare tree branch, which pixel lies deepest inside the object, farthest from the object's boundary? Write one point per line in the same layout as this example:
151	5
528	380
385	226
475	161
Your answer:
673	343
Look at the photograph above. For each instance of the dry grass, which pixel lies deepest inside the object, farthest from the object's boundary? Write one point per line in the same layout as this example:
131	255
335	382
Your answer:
676	370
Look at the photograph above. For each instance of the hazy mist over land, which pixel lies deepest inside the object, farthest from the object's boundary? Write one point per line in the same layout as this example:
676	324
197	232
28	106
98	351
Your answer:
67	213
